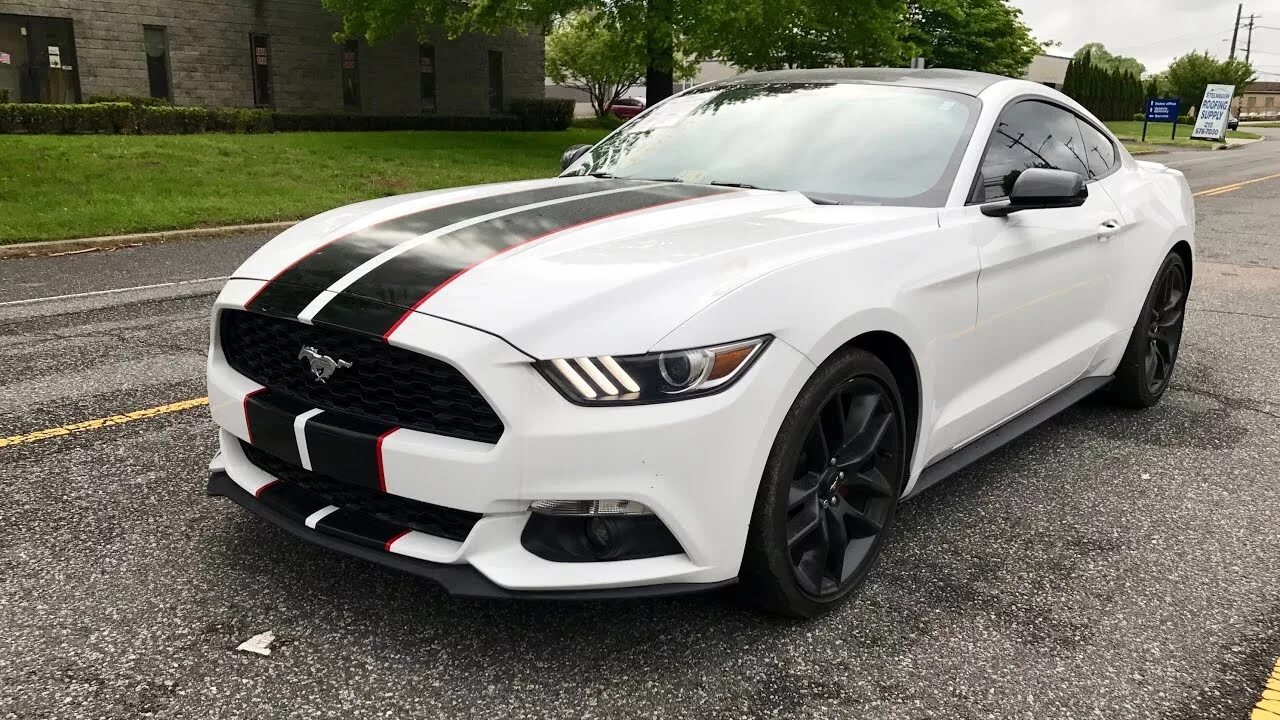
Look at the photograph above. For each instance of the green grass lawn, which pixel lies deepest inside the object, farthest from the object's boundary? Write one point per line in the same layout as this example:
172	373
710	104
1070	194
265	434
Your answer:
63	186
1129	132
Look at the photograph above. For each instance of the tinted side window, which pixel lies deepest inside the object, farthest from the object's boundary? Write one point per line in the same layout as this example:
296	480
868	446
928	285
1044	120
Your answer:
1099	152
1030	135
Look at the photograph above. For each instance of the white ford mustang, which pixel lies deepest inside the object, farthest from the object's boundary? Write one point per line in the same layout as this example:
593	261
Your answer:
721	347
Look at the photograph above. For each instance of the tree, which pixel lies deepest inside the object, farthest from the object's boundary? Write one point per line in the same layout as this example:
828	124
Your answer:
655	22
807	34
1109	93
1188	75
985	35
1105	60
587	52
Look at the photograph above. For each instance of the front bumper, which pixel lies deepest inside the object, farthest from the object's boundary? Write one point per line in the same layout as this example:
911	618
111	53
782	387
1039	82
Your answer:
695	463
459	580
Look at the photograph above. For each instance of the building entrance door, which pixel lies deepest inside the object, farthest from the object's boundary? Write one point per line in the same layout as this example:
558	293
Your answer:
38	60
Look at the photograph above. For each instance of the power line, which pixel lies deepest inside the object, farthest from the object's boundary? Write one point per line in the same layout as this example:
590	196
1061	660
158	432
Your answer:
1172	39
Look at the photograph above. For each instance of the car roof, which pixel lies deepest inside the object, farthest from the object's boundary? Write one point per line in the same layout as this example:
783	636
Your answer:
967	82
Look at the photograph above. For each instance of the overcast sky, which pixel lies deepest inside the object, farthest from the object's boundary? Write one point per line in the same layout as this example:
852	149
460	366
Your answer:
1156	31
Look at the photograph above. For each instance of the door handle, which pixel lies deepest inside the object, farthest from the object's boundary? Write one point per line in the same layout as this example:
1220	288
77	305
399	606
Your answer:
1108	228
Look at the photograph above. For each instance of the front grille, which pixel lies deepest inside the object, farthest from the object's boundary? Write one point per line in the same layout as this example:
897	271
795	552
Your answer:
384	382
421	516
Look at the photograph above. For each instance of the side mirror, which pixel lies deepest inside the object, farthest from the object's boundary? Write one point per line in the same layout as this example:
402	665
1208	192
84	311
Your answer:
1039	189
571	155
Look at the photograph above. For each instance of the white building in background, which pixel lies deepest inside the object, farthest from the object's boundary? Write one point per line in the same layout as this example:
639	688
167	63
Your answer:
1048	70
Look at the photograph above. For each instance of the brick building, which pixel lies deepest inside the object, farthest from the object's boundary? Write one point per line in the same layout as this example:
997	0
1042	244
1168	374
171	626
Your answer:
1259	100
266	53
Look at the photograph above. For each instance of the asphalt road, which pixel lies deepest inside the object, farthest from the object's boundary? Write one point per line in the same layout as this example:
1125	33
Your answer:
1113	564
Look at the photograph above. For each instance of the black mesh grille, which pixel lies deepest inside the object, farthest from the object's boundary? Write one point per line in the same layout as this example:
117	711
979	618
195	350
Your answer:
383	383
431	519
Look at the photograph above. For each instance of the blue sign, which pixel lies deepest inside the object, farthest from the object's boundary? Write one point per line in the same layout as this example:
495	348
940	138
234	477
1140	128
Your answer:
1163	109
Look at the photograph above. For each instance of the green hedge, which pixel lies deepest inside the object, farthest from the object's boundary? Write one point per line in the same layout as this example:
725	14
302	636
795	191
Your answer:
142	118
544	113
131	99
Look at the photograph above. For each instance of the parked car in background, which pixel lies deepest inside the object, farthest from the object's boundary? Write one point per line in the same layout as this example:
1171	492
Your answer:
627	107
1233	122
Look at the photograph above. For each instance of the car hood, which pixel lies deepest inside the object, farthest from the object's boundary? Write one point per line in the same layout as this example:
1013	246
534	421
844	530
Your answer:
611	268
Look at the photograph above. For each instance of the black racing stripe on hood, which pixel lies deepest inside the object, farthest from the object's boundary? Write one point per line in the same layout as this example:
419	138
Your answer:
408	278
286	295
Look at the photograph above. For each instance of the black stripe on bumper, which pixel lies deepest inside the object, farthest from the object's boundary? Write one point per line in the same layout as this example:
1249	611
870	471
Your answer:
346	447
459	580
270	416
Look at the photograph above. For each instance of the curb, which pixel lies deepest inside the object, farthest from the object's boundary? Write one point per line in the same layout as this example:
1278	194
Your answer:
109	242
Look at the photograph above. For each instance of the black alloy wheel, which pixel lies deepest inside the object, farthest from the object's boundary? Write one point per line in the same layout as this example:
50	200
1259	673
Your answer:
843	486
1147	367
830	488
1164	327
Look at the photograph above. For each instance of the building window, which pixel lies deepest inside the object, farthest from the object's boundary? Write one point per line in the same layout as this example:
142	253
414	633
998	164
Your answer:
351	74
260	57
1271	101
156	41
1250	100
427	76
495	81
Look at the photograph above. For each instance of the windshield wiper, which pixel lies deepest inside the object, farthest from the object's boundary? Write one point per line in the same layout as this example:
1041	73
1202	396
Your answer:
815	199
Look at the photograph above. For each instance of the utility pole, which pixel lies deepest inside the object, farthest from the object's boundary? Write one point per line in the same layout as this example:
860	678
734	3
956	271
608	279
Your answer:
1248	44
1235	32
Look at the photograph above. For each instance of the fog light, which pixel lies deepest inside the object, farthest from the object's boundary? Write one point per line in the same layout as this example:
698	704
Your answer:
589	508
600	532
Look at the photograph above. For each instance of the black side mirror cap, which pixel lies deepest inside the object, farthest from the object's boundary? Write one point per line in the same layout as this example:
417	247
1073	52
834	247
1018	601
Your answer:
571	155
1041	189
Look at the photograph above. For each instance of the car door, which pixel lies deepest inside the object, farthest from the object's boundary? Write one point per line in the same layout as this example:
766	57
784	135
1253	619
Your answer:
1045	283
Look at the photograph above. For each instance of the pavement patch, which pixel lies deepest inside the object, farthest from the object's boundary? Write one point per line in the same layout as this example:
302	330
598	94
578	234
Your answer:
99	423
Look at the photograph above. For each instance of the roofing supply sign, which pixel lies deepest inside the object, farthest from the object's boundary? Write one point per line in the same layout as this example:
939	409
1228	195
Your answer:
1211	123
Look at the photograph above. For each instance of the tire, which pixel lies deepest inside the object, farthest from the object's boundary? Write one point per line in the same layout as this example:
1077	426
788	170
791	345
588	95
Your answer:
808	502
1149	359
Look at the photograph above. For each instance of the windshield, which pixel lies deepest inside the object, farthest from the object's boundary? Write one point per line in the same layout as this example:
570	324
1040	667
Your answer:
835	142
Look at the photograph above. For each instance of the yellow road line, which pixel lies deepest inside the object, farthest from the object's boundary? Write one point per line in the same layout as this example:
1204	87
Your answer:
103	422
1234	186
1216	193
1268	706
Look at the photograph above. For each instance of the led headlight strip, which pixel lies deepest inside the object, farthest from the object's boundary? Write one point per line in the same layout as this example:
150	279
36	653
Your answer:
655	377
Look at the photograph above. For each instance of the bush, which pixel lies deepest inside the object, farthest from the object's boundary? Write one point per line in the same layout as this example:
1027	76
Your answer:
1140	117
143	119
543	113
135	100
4	96
332	122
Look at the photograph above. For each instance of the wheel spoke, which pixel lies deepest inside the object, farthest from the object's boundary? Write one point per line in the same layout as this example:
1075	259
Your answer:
837	543
870	482
858	524
811	566
858	451
803	489
859	414
802	527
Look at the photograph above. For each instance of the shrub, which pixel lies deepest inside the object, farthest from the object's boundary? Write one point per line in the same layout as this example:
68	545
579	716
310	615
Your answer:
142	119
4	95
543	113
330	122
1140	117
135	100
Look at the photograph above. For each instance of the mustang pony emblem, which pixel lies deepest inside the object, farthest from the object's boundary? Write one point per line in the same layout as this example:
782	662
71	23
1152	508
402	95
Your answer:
322	366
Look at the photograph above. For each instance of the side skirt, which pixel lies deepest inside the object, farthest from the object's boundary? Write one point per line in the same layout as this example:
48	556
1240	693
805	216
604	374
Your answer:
1011	430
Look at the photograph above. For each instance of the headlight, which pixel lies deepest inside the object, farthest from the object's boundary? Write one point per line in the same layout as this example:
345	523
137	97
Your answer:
653	378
